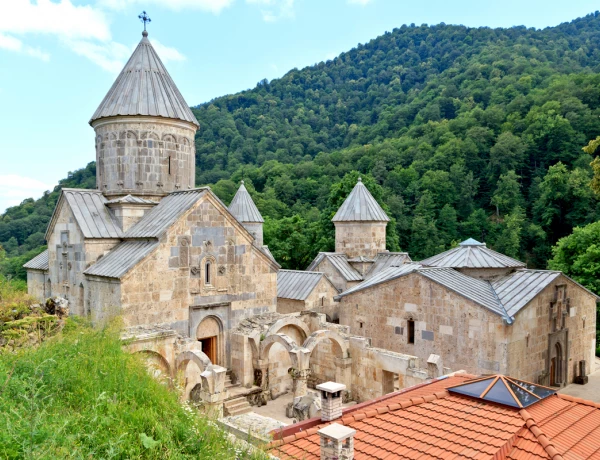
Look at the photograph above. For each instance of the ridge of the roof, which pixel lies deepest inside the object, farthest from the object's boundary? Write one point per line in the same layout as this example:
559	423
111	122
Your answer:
383	276
242	207
144	87
472	255
360	206
540	436
131	199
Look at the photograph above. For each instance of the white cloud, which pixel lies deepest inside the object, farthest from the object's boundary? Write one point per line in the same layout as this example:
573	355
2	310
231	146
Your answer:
273	10
14	44
14	189
167	53
212	6
359	2
62	19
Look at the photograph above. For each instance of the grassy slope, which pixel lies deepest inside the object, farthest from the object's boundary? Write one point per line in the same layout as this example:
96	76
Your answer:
79	395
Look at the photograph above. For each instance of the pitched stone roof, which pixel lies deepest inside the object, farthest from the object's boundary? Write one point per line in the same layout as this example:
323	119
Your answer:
39	262
428	421
161	217
130	199
505	296
243	208
144	87
360	206
339	262
297	284
122	258
92	216
472	254
384	260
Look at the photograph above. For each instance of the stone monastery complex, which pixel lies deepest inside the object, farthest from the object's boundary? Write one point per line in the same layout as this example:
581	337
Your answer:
201	295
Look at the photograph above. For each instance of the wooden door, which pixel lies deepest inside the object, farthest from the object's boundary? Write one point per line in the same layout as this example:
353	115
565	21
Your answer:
209	348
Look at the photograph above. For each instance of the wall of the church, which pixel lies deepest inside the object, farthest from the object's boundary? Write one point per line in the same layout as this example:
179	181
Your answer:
320	300
357	239
445	324
528	344
146	156
103	299
37	285
127	215
171	285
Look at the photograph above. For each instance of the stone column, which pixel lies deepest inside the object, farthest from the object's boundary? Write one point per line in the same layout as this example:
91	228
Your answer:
213	392
343	371
263	365
337	442
300	385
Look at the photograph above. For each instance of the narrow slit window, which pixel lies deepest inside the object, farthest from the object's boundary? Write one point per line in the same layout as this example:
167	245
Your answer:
169	165
207	272
411	331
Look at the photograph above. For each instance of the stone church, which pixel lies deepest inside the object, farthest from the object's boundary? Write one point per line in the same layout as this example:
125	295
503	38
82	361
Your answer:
146	244
194	283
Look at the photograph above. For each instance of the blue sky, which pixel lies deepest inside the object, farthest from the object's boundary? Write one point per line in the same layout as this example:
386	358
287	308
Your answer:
58	58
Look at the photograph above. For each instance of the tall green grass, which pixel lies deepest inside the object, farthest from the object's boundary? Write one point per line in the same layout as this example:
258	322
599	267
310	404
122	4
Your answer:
79	395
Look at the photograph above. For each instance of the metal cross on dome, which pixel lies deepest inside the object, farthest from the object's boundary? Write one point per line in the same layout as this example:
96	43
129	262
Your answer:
144	18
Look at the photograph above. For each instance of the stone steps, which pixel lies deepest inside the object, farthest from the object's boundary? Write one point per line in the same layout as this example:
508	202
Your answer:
236	406
228	384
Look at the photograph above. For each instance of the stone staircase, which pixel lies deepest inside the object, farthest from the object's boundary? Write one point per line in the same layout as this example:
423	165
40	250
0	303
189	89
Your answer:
228	384
237	406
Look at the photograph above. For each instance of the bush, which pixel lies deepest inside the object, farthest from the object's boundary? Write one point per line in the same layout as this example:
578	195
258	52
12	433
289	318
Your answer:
80	395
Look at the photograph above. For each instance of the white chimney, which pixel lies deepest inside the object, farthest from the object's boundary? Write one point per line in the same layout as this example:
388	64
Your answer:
337	442
331	400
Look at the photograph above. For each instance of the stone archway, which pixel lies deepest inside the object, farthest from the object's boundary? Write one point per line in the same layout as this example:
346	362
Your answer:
210	334
156	364
278	355
188	367
329	357
289	321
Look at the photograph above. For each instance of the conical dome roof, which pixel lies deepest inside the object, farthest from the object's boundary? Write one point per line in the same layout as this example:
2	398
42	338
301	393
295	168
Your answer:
243	208
144	87
360	206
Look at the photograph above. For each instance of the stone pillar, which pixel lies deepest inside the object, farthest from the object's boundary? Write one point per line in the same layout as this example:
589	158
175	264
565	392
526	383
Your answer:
263	366
337	442
331	400
300	385
213	392
434	366
343	371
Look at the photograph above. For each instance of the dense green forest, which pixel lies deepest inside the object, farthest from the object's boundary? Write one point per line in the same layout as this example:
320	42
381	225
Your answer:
459	132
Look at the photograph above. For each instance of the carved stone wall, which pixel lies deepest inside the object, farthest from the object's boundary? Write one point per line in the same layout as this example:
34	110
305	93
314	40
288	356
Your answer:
146	156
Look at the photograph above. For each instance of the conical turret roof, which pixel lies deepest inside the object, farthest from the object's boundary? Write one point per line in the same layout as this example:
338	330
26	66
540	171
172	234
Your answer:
243	208
360	206
144	87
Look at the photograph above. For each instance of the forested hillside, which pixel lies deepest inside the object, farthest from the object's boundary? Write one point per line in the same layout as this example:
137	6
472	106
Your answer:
460	132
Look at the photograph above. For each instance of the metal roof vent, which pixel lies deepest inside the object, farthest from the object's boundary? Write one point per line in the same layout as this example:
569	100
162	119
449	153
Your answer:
503	390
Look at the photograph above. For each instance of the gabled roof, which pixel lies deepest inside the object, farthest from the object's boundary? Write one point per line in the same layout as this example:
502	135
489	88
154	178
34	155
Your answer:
296	284
144	87
339	262
360	206
431	422
122	258
388	259
475	289
92	216
383	276
39	262
472	254
159	219
243	208
130	199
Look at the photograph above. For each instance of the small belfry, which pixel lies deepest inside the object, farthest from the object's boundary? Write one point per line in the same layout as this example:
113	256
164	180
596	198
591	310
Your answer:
144	130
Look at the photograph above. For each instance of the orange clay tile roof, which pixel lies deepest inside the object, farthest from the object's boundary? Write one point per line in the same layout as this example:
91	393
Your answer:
431	423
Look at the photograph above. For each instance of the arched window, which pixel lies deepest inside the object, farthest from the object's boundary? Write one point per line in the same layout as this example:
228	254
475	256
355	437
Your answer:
207	274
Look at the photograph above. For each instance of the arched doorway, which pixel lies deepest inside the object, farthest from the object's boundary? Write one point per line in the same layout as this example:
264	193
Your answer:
556	366
157	365
210	335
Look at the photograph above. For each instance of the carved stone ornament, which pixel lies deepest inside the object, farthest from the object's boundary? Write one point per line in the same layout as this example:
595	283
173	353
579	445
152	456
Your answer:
195	271
208	244
69	266
185	242
222	270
